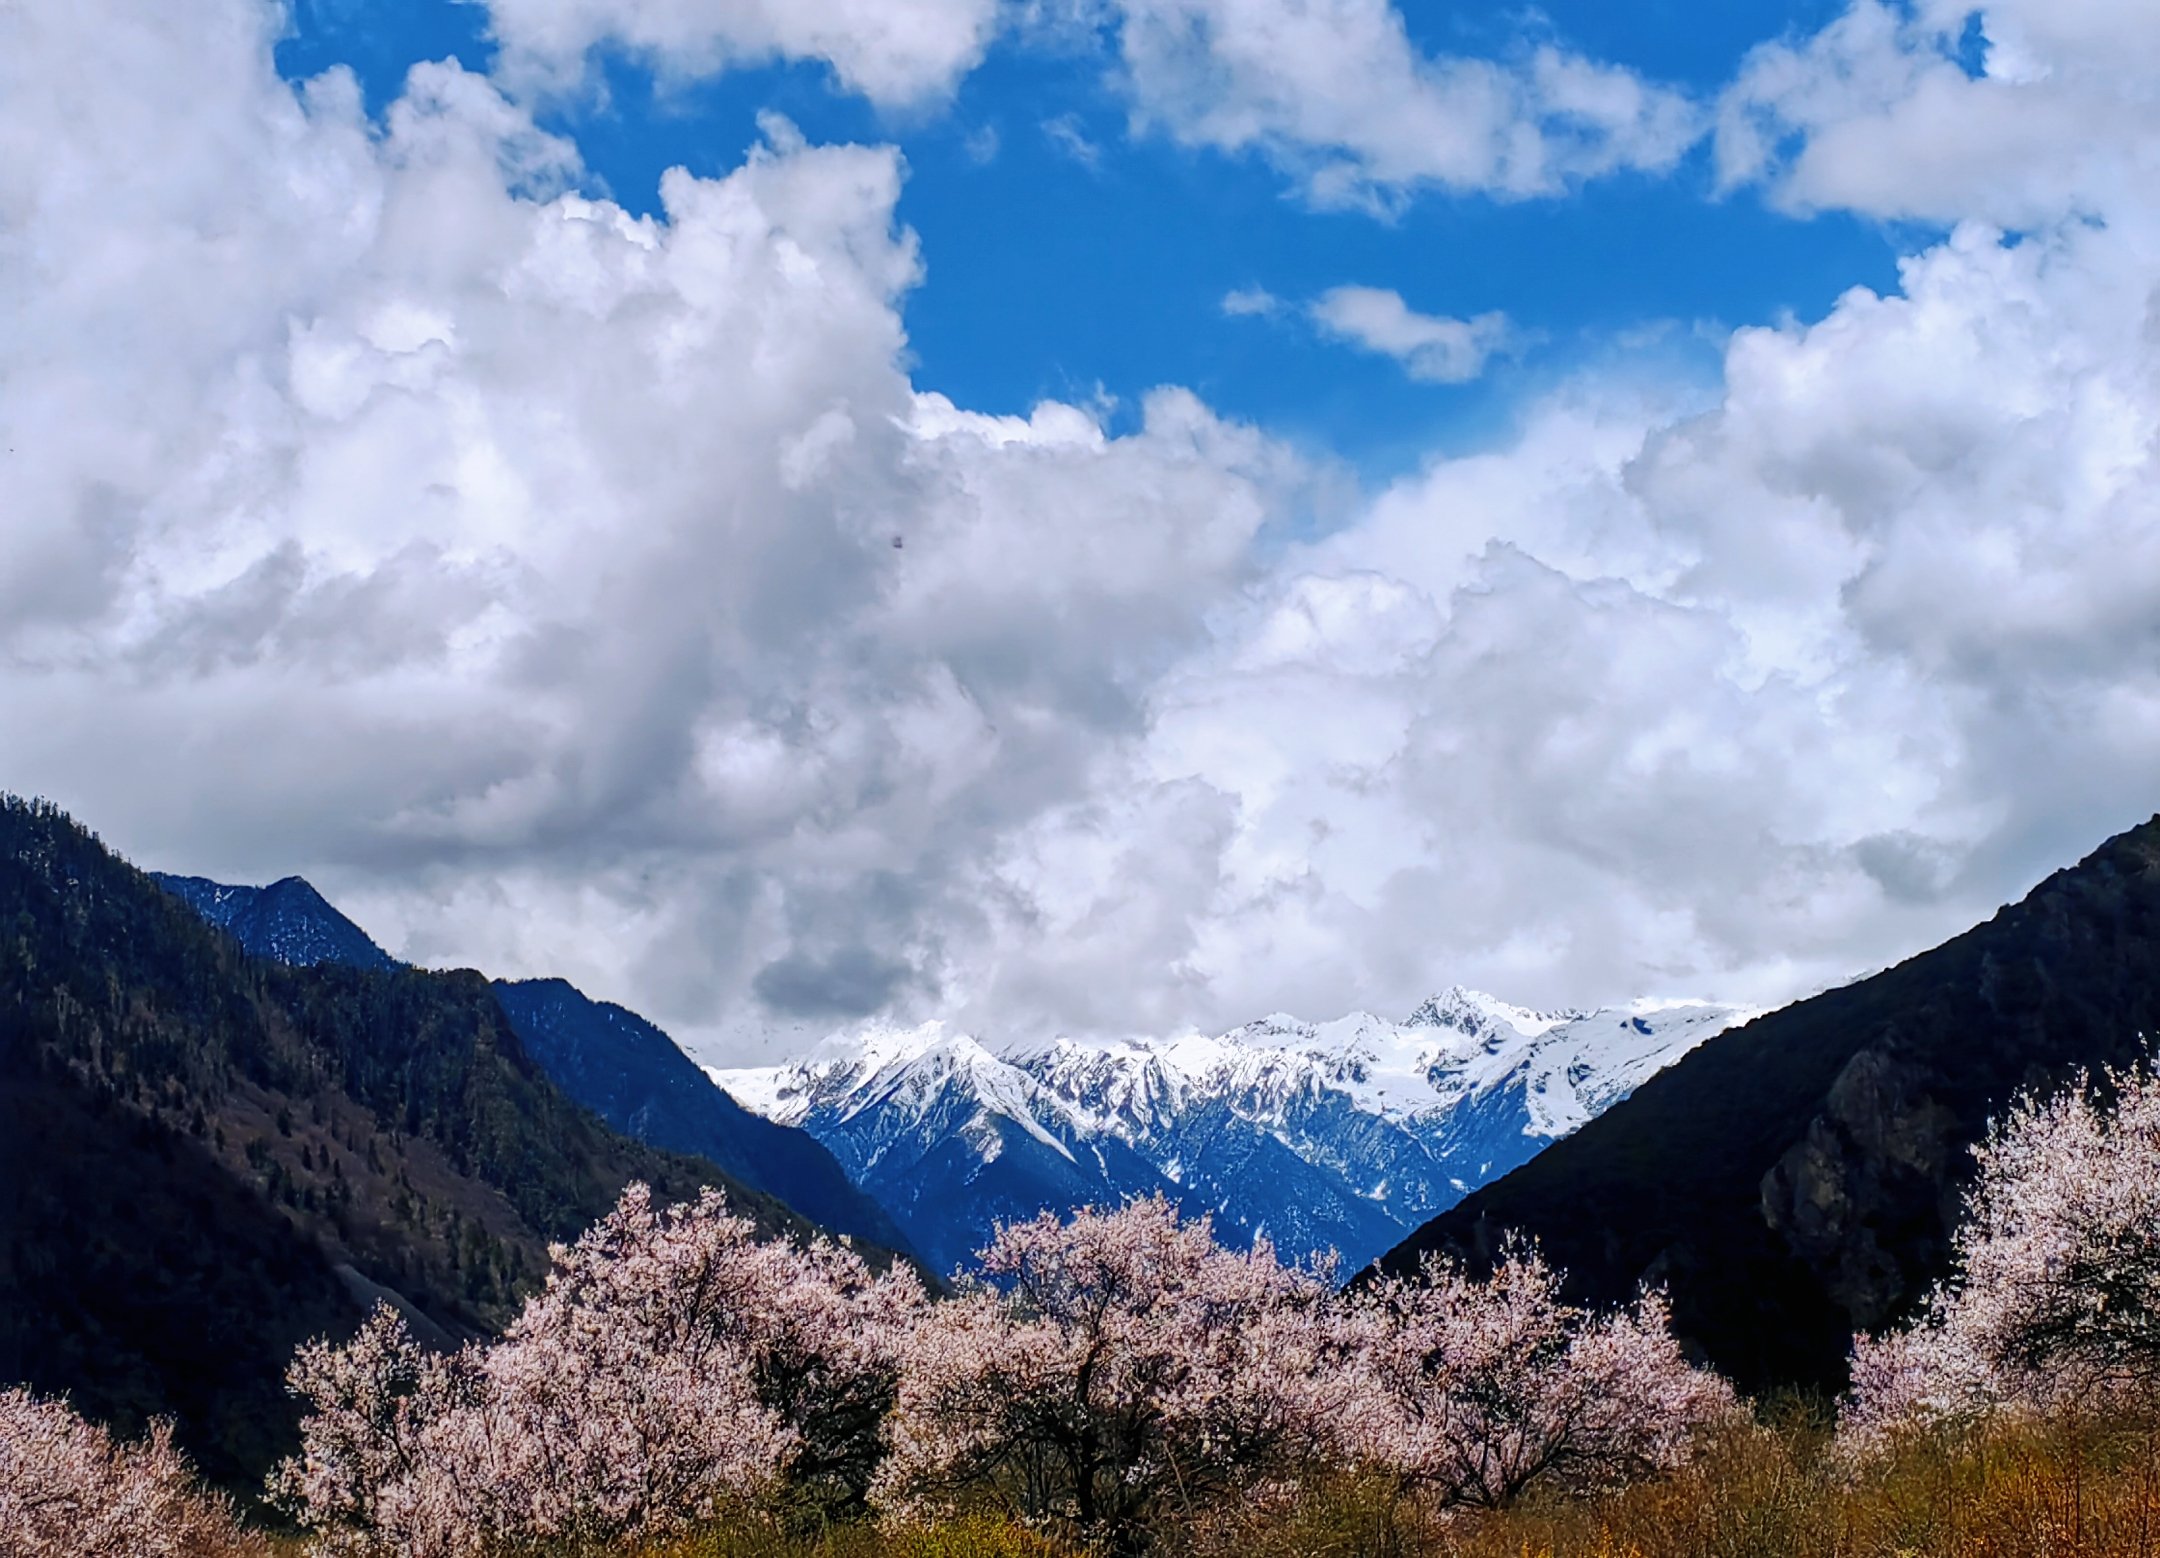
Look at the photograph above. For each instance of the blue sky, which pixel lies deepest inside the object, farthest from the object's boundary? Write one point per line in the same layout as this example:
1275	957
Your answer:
1051	274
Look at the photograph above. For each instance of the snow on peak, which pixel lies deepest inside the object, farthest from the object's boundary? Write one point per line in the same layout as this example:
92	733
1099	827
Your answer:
1353	1130
1476	1014
1457	1045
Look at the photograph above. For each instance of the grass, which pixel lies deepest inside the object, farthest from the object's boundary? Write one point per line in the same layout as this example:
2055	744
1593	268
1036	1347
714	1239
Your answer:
2071	1488
973	1538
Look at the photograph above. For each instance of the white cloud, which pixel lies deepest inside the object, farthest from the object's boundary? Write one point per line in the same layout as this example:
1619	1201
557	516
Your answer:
1251	303
1734	700
1065	133
524	571
1431	348
1877	113
894	52
1335	92
1332	91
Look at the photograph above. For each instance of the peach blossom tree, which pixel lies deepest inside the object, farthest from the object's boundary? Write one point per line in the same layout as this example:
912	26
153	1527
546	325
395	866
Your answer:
69	1489
1110	1369
674	1367
2055	1292
1472	1390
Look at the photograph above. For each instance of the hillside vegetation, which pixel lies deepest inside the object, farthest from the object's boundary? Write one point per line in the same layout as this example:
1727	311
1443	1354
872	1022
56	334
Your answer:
211	1157
1120	1384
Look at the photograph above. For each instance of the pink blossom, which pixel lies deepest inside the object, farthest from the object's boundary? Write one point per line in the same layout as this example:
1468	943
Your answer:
674	1366
1473	1390
2056	1286
68	1489
1109	1368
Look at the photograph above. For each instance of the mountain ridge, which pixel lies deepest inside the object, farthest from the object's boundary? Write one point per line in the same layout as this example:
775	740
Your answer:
287	921
1797	1178
605	1057
216	1155
1318	1136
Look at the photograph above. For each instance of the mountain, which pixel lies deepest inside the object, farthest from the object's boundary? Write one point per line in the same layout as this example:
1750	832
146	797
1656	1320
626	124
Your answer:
949	1139
606	1058
1334	1136
206	1157
1797	1178
634	1077
288	921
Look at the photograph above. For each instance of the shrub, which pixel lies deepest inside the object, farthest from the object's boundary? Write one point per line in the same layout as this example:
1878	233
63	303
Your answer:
971	1536
673	1368
68	1489
1472	1391
1110	1369
2056	1293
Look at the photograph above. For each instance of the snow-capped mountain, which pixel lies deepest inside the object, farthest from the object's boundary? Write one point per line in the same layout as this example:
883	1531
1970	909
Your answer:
1341	1135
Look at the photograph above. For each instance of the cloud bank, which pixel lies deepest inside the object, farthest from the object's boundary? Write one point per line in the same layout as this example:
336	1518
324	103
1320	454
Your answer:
1336	94
574	592
897	53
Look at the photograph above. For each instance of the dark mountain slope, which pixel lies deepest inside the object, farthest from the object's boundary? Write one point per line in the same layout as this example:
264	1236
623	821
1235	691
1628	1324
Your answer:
633	1076
287	922
140	1274
1797	1178
209	1156
606	1058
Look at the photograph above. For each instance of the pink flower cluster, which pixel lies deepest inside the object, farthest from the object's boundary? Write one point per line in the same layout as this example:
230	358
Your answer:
1122	1364
1103	1372
1110	1365
2056	1293
674	1367
1475	1389
68	1489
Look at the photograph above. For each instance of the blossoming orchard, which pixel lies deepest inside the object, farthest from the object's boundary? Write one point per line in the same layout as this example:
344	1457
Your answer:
1106	1378
1102	1374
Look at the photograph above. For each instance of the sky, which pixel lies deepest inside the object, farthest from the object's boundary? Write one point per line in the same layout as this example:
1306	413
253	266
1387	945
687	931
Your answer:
1088	516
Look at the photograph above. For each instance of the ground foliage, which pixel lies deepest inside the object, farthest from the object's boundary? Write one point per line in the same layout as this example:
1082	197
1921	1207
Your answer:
1118	1383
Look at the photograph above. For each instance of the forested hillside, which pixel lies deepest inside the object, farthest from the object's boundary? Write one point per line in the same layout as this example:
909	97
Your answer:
210	1157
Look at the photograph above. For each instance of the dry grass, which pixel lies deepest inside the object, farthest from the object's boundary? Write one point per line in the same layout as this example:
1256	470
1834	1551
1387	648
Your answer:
975	1538
2066	1489
2061	1490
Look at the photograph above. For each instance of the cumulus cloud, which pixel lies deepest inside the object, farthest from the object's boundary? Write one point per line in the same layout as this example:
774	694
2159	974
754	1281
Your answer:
1430	347
526	568
1879	113
526	572
1337	94
894	52
1740	699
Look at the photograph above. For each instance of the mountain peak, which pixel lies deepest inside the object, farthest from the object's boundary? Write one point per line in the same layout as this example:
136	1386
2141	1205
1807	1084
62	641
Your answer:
1338	1134
287	921
1473	1013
